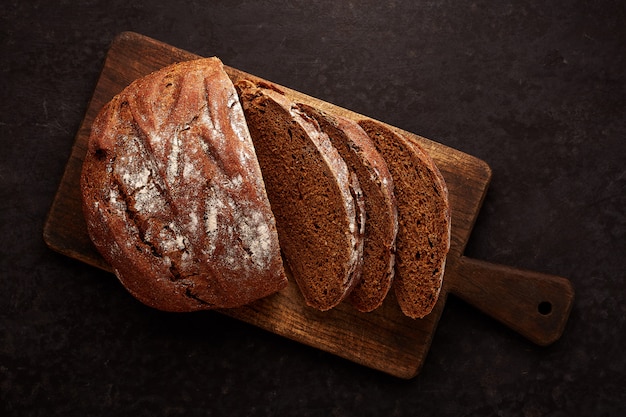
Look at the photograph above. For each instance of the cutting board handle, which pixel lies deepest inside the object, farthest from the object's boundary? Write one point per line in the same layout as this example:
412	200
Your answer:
533	304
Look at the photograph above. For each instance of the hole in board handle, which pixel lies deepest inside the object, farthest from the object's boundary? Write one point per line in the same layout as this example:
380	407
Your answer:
544	308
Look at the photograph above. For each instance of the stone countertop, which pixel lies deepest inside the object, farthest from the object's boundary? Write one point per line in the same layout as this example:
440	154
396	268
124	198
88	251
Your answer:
535	90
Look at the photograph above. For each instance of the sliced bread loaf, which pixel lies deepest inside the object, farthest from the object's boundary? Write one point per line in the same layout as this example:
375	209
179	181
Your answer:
173	195
381	226
316	201
423	237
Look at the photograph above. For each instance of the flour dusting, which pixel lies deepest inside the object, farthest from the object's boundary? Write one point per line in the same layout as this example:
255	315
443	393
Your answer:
172	160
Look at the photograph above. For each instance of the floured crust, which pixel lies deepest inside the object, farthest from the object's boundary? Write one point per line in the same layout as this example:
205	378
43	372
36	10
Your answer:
316	200
173	194
381	227
423	239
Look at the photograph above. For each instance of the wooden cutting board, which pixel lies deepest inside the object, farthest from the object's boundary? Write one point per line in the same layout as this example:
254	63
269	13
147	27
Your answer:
535	305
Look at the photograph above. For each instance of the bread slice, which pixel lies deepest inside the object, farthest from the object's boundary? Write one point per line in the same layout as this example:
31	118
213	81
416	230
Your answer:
173	194
423	237
381	226
316	201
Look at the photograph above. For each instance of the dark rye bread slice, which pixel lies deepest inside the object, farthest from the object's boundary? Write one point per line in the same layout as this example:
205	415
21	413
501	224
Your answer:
173	194
423	237
316	201
381	226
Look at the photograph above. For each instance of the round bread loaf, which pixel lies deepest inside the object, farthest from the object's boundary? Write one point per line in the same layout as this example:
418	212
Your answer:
173	194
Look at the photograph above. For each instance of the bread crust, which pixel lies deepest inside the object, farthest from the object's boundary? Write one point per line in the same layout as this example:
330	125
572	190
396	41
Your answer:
173	195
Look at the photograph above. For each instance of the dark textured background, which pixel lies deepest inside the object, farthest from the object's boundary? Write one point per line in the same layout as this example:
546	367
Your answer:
534	88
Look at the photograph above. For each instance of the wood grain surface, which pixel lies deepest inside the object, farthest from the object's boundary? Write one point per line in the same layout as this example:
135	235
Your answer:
533	304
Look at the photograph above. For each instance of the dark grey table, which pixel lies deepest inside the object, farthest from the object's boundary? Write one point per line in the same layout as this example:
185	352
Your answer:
537	90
